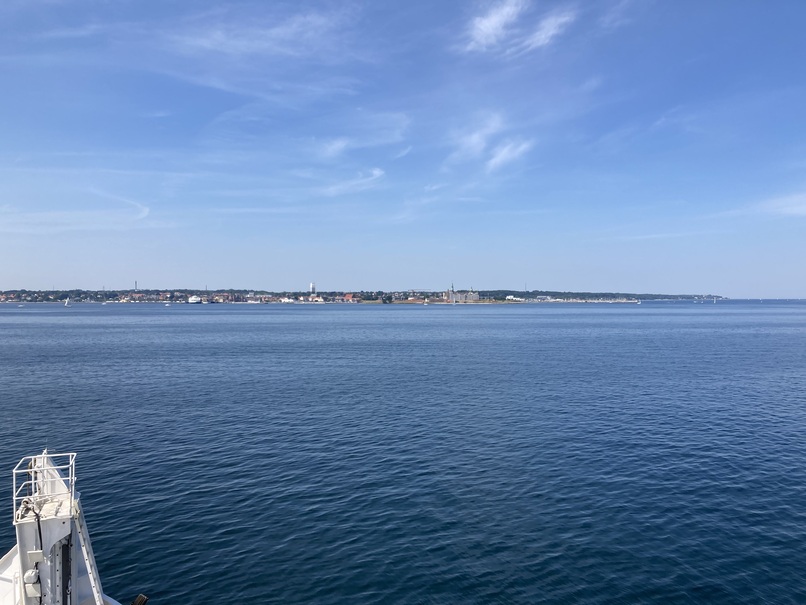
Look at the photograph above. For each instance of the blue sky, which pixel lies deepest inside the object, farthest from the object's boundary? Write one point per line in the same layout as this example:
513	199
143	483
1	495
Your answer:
639	146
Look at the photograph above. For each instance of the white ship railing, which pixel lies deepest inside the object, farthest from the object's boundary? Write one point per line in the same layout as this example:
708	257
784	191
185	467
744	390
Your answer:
44	478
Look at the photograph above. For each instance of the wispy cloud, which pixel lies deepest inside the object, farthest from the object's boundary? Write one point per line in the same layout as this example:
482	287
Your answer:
334	147
142	210
57	221
783	206
472	143
259	210
591	85
403	153
679	118
483	142
365	130
83	31
412	210
375	129
501	29
362	183
507	152
548	29
791	205
488	30
662	236
297	35
254	128
617	14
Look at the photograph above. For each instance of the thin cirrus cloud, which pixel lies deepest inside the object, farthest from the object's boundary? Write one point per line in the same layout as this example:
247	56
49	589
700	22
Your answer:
362	183
472	143
412	210
377	129
784	206
260	210
224	49
367	130
507	152
790	205
661	236
488	30
501	30
83	31
58	221
483	143
298	35
403	153
334	147
548	29
257	127
617	15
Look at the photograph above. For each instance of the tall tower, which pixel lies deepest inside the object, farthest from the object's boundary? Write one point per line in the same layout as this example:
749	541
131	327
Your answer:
313	288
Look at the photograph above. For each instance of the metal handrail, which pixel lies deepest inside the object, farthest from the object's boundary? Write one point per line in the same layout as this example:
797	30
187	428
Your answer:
36	476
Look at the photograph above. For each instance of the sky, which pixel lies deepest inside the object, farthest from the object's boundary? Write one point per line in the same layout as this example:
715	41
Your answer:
616	145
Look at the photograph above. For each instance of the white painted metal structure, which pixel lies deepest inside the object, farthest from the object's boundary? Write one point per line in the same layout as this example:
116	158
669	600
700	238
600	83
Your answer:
53	562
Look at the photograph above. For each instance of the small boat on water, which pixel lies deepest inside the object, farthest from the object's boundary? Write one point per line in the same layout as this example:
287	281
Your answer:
52	562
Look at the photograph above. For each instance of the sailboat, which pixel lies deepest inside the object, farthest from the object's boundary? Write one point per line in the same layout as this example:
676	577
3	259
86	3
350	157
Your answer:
67	302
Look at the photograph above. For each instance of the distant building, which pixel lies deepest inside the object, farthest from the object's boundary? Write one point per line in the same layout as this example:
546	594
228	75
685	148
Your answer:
461	296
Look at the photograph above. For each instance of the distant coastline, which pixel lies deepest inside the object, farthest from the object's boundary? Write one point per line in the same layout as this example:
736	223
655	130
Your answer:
231	296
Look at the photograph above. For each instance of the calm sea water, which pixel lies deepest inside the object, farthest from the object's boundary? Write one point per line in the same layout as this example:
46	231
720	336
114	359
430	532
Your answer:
392	454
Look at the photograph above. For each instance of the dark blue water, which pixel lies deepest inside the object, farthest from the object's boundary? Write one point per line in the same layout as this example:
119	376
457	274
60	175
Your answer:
400	454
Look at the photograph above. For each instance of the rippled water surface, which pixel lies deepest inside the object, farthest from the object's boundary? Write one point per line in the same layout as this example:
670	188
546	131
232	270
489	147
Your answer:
408	454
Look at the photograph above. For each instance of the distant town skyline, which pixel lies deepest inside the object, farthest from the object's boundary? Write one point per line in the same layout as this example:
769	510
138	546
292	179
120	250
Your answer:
313	290
450	296
616	146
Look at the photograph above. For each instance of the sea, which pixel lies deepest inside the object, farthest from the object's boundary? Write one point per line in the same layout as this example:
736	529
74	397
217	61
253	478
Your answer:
340	454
